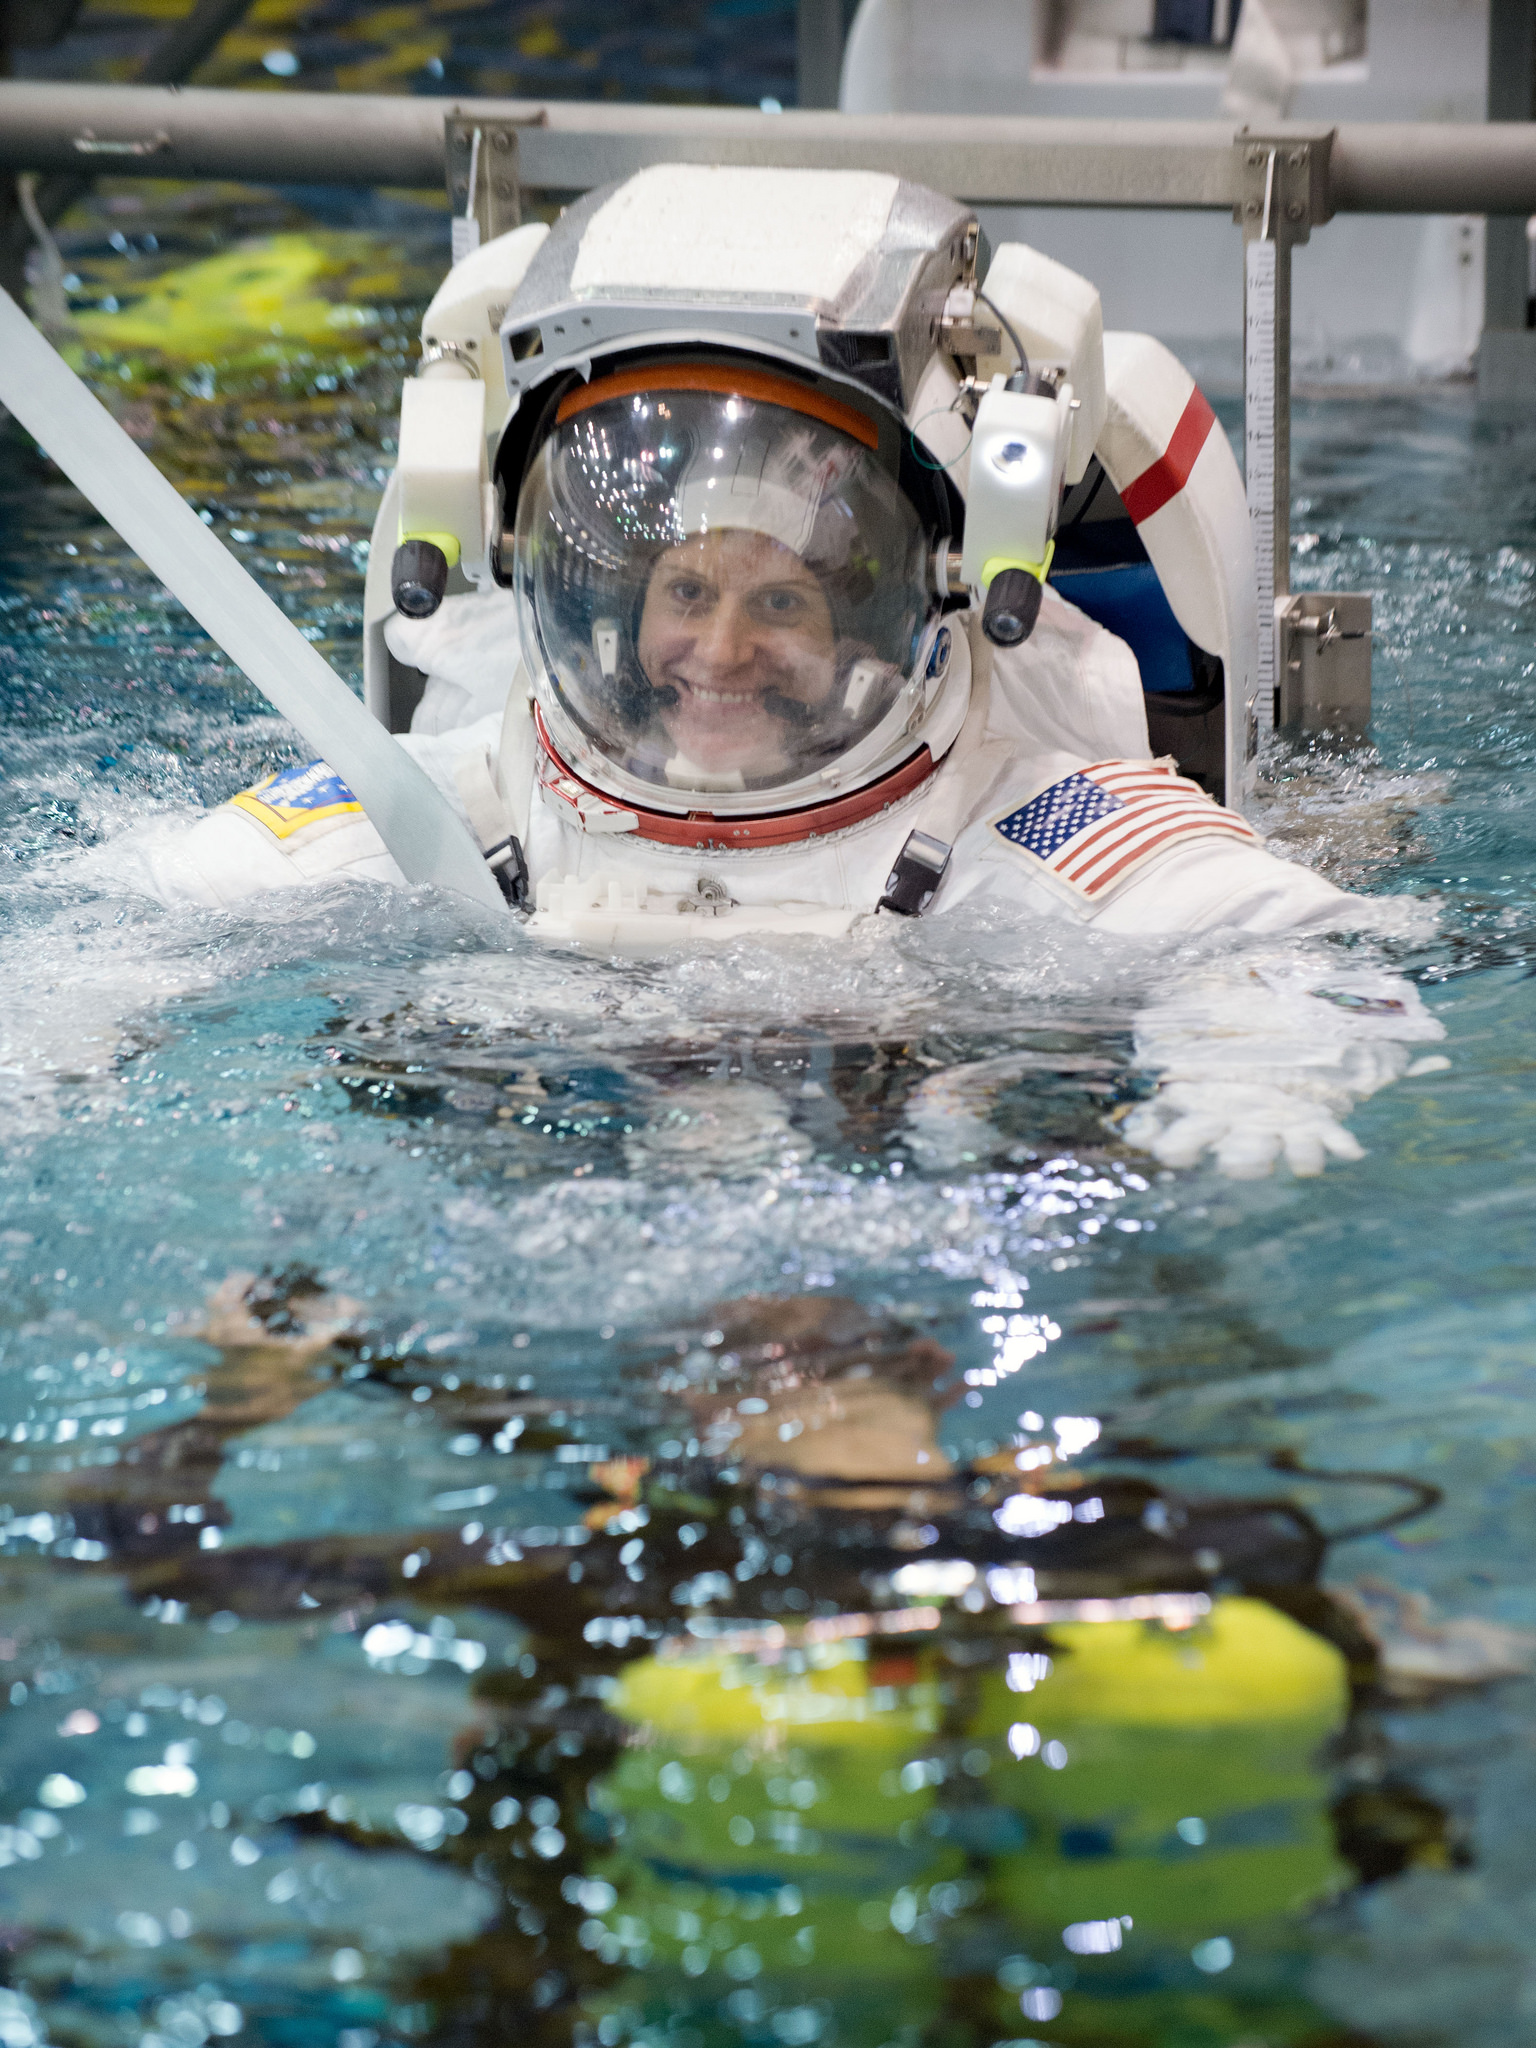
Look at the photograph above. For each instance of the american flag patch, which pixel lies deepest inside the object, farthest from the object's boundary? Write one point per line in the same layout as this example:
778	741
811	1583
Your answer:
1092	830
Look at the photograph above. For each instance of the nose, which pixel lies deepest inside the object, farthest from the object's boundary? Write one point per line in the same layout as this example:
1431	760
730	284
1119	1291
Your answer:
726	641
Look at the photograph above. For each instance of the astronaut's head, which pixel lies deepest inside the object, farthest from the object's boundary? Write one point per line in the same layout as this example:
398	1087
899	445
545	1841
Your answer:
726	588
730	524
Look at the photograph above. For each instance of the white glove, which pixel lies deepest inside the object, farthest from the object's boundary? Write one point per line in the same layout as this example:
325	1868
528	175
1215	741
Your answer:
1246	1125
1258	1059
467	649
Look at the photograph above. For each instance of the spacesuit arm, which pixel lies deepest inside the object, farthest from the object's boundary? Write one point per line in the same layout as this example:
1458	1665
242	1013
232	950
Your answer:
1214	884
1257	1059
1251	1059
1260	1058
304	826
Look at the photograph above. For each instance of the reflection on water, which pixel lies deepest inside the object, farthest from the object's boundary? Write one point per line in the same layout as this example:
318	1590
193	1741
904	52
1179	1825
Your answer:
719	1501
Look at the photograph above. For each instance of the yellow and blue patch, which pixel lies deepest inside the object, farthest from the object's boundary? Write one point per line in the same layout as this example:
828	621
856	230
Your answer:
295	797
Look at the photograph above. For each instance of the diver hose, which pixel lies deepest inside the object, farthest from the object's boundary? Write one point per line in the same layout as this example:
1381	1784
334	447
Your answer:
414	819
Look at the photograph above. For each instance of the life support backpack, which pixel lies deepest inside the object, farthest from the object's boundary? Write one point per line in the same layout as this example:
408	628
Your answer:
1155	545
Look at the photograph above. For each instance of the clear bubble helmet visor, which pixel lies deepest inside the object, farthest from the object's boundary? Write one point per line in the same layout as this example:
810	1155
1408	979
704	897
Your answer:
726	597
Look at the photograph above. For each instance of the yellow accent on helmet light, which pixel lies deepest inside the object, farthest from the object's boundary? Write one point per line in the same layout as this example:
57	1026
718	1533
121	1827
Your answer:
448	542
996	564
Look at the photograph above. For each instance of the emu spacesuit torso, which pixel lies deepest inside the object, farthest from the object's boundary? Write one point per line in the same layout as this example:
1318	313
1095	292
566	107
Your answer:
725	514
1048	798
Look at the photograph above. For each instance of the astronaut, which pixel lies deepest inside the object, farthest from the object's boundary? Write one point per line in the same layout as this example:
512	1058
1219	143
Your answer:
719	604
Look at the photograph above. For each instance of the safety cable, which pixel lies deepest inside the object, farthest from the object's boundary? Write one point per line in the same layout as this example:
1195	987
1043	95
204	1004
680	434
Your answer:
48	294
1009	330
1423	1494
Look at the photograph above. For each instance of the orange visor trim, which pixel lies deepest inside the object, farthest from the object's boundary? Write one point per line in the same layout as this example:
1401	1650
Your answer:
707	832
759	384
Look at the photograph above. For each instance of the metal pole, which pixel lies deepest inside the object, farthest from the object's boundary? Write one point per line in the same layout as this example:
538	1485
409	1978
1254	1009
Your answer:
1433	167
570	145
1511	82
819	52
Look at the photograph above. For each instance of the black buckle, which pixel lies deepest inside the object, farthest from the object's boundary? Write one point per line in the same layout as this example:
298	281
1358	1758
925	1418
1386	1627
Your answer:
507	863
920	867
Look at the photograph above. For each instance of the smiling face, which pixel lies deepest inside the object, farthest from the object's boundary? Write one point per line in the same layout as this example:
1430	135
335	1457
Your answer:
724	589
741	630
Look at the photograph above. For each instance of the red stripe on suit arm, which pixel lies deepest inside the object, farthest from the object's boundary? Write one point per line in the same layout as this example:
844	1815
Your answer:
1151	491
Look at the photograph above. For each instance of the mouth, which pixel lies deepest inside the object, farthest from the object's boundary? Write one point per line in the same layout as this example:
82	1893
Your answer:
708	696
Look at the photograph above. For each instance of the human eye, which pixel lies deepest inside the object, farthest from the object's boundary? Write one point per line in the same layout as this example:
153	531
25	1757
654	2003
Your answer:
781	605
688	590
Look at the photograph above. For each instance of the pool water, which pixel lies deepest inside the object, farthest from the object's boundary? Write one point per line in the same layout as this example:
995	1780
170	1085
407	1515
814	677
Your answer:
504	1453
735	51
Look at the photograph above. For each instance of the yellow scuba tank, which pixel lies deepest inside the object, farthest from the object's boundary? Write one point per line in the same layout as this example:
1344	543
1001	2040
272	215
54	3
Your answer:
829	1820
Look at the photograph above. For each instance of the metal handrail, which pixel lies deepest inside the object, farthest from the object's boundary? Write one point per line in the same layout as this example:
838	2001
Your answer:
571	145
1434	167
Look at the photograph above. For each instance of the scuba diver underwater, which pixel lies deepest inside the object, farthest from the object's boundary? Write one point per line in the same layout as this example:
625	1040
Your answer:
800	1712
720	590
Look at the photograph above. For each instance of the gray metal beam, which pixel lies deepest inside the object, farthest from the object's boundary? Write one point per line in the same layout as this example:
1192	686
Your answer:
358	139
984	160
568	146
1434	167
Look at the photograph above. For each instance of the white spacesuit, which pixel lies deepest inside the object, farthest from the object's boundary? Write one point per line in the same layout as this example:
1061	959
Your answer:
723	557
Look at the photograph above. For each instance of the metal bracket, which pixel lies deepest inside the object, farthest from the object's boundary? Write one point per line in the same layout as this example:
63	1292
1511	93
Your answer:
447	352
959	331
484	189
1285	184
1325	662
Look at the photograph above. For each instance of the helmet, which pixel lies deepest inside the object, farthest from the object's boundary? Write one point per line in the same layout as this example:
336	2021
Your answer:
729	551
728	595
